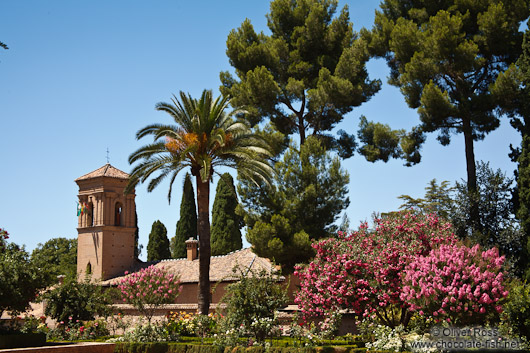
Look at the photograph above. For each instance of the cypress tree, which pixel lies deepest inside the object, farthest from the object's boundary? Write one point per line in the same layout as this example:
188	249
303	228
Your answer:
187	224
226	224
158	246
137	246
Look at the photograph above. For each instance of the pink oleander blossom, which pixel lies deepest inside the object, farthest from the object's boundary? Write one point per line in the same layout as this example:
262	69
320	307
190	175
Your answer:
466	280
136	289
361	271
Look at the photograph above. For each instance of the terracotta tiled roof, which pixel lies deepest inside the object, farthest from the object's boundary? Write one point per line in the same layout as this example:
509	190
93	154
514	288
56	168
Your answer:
220	267
106	171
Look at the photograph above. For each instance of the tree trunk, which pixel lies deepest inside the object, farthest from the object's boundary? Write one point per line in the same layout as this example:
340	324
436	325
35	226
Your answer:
301	128
474	219
203	229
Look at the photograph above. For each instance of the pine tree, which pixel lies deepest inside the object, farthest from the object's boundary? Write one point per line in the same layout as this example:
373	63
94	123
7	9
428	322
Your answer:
187	223
158	246
226	224
445	56
512	92
309	193
305	76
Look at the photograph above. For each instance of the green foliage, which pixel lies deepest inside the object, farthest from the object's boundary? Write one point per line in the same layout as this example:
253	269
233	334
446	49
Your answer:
251	303
58	256
498	225
512	92
226	223
523	205
20	280
306	75
158	246
445	56
187	223
380	142
307	197
73	300
516	311
438	199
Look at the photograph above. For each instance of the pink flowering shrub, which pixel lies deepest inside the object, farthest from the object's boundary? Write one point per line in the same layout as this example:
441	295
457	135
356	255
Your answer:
149	288
361	271
456	283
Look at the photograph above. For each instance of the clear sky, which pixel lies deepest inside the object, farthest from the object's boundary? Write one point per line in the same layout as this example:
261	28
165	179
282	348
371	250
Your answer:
83	76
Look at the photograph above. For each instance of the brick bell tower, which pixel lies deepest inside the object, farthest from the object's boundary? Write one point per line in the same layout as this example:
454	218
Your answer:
106	224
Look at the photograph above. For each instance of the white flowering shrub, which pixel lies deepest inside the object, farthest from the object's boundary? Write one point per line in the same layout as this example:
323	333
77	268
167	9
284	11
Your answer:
149	332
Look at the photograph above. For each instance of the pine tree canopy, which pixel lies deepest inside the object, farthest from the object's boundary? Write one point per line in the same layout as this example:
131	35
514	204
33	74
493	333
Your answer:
444	56
306	75
309	193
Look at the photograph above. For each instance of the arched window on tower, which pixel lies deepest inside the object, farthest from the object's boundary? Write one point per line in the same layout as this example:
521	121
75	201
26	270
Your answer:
90	214
117	214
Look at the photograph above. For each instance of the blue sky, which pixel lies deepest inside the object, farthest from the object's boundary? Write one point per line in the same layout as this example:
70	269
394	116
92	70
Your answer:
83	76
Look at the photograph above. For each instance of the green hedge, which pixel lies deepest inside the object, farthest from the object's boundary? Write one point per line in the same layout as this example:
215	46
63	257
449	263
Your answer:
22	340
191	348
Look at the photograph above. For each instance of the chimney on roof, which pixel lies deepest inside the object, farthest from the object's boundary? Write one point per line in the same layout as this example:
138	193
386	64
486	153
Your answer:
191	248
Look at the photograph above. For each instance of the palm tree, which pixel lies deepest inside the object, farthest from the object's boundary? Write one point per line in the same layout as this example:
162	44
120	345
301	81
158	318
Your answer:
202	138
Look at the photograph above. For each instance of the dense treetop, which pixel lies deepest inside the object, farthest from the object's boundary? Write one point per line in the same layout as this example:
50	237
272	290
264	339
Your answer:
306	75
444	56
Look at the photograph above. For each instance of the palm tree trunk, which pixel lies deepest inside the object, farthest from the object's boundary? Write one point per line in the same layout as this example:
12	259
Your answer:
203	228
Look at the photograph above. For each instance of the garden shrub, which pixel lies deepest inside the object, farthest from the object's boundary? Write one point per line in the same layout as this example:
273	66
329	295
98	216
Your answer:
516	312
76	330
33	324
148	289
187	324
149	332
361	271
73	301
455	283
251	305
20	281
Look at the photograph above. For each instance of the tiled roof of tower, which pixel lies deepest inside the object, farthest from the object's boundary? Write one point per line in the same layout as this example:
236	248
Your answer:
106	171
220	267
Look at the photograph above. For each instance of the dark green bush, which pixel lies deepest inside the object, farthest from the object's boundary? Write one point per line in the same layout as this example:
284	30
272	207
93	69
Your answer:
19	279
516	310
72	301
188	348
251	304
